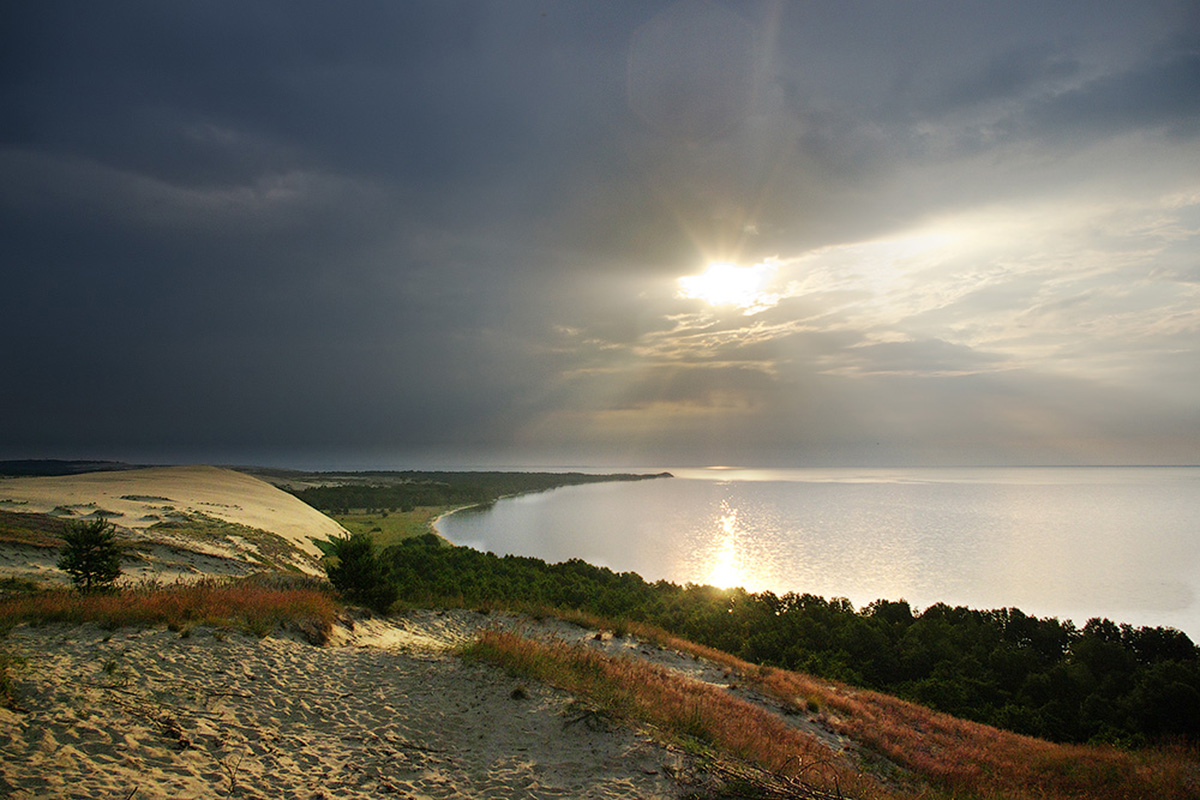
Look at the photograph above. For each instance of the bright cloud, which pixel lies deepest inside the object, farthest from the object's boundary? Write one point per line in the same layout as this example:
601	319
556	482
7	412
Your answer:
726	284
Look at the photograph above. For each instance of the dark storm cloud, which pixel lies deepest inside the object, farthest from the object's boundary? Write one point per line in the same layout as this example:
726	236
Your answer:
1162	94
400	225
1008	75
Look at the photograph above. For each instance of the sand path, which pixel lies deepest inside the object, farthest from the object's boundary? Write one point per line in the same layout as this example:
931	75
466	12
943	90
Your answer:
384	709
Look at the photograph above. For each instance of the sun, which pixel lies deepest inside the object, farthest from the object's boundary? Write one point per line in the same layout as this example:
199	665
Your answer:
727	284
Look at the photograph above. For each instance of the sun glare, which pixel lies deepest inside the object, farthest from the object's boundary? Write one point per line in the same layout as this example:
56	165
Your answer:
727	284
725	564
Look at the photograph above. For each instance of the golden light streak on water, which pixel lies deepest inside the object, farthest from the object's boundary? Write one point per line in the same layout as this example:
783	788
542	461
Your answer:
726	562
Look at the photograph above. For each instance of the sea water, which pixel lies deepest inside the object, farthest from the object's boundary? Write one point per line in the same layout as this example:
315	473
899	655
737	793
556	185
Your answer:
1068	542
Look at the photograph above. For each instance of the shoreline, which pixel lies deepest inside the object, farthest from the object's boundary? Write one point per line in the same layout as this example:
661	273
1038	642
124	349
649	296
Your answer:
1046	542
614	477
433	523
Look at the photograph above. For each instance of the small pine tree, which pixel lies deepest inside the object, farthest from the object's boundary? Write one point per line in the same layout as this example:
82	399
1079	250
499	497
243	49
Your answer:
91	555
357	571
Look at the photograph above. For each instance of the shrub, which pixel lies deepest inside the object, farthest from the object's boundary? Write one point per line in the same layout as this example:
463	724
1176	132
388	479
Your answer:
355	569
91	554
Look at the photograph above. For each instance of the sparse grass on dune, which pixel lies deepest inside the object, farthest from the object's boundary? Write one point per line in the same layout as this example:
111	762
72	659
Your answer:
636	690
963	758
958	758
255	606
35	530
7	662
975	760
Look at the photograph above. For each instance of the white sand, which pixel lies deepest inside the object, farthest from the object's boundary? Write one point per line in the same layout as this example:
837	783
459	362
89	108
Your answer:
155	714
137	499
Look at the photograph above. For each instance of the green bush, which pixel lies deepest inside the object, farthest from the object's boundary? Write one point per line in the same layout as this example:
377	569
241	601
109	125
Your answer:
91	554
355	570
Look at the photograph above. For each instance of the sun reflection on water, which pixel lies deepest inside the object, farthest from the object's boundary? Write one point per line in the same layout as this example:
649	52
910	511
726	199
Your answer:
726	563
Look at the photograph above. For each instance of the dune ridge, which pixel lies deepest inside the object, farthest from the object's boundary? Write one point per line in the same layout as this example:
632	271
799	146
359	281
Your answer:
137	500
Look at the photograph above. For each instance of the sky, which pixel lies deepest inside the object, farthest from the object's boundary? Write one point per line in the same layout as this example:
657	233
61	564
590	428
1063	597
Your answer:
601	233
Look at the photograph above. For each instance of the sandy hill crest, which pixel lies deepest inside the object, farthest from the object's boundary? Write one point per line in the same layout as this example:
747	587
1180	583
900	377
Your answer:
180	520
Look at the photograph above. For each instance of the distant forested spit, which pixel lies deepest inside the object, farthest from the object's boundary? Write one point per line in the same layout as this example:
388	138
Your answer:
405	490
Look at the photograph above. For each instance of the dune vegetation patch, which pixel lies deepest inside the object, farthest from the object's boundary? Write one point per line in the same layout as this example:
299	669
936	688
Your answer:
270	550
35	530
640	692
254	605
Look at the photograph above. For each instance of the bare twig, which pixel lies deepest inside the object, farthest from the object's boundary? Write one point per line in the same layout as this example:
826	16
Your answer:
231	770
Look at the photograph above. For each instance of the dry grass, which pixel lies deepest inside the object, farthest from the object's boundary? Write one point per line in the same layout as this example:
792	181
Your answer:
636	690
955	757
967	759
253	606
981	761
34	530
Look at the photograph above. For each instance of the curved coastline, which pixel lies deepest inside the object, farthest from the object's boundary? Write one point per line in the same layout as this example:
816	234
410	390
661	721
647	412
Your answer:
618	477
973	542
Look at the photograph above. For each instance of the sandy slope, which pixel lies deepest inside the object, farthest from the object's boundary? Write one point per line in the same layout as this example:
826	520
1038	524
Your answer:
384	710
134	500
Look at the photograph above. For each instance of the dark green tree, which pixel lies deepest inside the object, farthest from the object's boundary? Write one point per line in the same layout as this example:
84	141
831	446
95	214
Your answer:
91	554
356	570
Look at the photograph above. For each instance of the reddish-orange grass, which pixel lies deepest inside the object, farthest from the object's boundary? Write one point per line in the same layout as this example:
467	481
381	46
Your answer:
644	692
967	759
243	605
984	761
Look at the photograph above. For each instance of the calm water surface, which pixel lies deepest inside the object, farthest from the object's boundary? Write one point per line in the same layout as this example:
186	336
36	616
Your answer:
1067	542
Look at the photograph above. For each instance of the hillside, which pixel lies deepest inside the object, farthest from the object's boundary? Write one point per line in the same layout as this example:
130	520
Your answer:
176	522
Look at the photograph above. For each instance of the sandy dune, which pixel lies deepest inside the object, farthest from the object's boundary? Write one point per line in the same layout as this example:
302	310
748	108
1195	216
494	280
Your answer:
385	709
135	500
